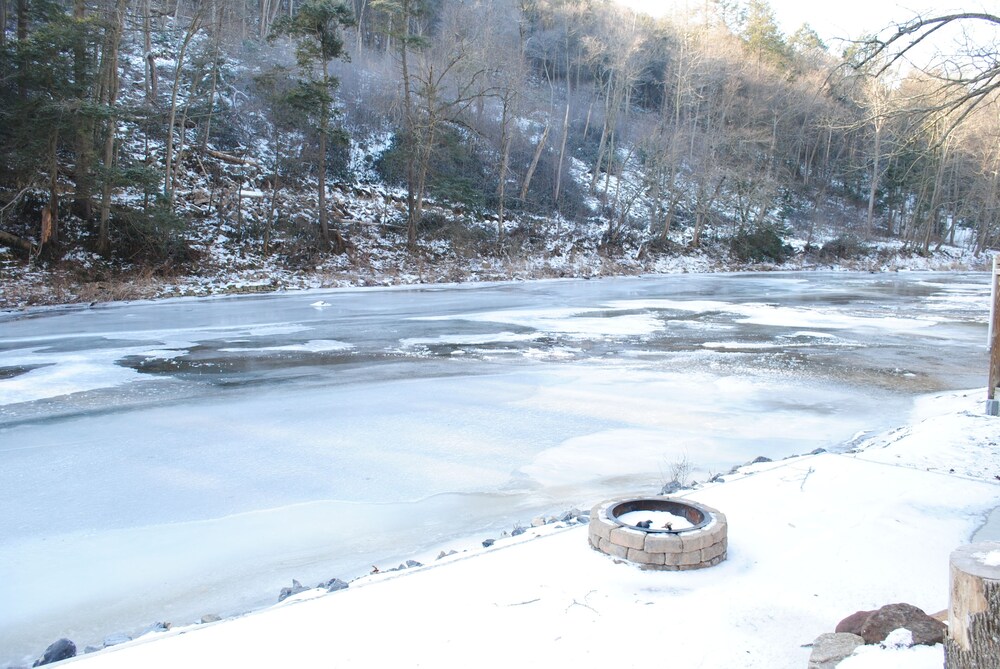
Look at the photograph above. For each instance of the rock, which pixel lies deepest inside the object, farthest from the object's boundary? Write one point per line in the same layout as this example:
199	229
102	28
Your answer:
717	479
488	542
817	451
412	564
91	649
294	590
570	515
829	649
63	649
583	519
852	624
671	488
926	630
517	531
115	639
442	554
155	627
210	618
537	522
333	585
759	459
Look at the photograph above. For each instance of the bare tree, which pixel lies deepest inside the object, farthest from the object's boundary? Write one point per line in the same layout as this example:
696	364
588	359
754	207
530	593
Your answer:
969	78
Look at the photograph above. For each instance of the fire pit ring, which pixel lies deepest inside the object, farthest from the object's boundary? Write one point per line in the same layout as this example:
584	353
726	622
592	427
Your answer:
700	538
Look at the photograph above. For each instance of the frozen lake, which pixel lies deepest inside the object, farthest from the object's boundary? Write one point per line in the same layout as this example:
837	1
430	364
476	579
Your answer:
161	461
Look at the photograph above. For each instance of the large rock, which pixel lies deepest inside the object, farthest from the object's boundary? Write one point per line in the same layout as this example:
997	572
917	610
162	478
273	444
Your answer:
59	650
294	590
853	623
926	630
671	487
829	649
333	585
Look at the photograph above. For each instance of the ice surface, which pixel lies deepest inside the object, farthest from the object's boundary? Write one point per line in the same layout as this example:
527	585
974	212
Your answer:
171	459
314	346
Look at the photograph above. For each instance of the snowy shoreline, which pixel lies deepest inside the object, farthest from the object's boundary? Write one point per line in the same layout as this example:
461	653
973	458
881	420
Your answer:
27	287
770	585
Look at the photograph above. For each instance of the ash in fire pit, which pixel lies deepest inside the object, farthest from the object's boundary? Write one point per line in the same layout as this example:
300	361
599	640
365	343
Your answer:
660	533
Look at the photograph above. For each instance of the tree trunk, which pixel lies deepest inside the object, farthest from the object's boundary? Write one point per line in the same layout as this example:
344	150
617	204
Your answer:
22	20
425	147
973	640
149	58
268	10
935	207
275	183
410	132
875	179
534	164
702	207
562	156
668	219
217	39
50	222
168	173
22	36
504	161
360	23
324	226
600	149
84	130
110	86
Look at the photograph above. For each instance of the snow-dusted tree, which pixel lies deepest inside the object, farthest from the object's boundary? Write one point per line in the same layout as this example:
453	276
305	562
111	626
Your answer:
404	15
317	30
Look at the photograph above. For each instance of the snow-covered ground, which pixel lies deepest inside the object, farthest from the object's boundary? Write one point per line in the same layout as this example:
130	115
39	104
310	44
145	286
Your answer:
811	540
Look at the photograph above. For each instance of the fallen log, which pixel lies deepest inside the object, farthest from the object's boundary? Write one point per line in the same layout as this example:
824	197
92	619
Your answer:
229	158
15	242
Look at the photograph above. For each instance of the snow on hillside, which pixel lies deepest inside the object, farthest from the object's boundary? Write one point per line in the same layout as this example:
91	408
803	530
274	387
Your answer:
230	260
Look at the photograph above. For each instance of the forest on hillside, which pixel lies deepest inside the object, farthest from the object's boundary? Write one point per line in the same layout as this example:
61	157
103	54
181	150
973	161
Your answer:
124	124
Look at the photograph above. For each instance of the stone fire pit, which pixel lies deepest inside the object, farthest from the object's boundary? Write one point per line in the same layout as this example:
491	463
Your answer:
660	532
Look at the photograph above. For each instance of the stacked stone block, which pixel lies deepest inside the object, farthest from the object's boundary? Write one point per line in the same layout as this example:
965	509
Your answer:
683	550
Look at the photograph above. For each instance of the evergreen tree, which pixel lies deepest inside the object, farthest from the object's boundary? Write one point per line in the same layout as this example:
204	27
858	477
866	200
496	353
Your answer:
317	31
762	35
44	93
